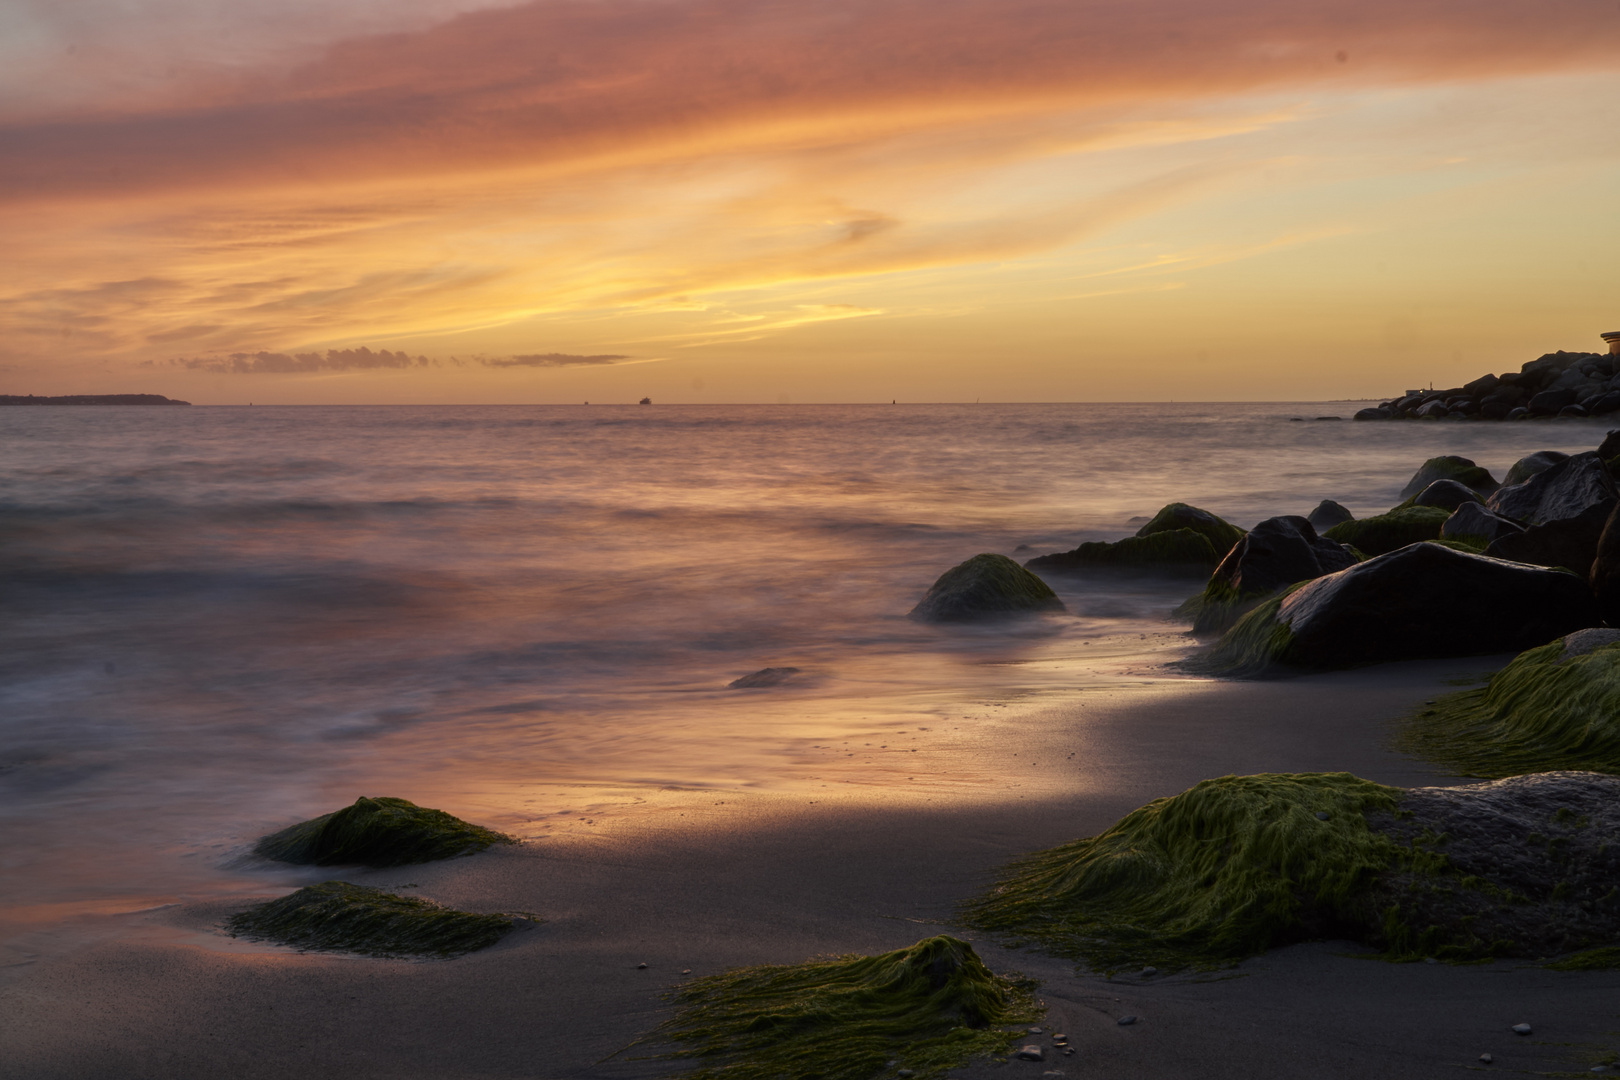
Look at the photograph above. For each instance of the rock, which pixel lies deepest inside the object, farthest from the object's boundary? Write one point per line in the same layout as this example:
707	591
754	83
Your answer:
1472	522
1564	490
1582	642
1126	1021
1486	1058
1421	601
1446	494
985	587
641	967
1531	464
1519	413
1609	448
1277	552
1149	972
1220	533
1521	1029
1568	542
1387	532
1548	402
1030	1052
1572	411
1328	514
1322	815
1450	467
1370	414
1605	573
339	917
1485	384
764	677
1179	551
905	1074
1434	410
378	832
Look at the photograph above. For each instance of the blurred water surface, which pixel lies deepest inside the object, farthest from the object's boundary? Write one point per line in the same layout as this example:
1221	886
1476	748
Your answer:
221	619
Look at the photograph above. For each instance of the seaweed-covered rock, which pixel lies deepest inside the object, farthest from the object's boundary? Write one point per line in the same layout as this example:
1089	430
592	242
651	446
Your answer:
985	587
763	678
1178	551
1565	489
1556	706
1277	552
1387	532
922	1010
1220	533
1568	542
335	916
1328	514
1472	522
1450	467
1422	601
1447	495
1531	464
1237	865
378	832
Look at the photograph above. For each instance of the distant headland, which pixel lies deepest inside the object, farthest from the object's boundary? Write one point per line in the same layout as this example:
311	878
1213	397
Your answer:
90	399
1556	384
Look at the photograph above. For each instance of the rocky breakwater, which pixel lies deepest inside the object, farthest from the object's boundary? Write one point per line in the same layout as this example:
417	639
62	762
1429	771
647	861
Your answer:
1556	384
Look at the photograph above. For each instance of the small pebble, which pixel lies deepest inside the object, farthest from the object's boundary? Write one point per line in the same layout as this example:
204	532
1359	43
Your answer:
903	1073
686	971
1321	815
1430	960
1069	1052
1521	1029
1031	1053
1060	1035
1600	1068
1126	1021
1149	971
1034	1031
641	967
1486	1058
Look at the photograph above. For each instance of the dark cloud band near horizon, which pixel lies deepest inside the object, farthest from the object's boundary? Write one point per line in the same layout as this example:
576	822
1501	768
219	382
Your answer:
549	82
366	359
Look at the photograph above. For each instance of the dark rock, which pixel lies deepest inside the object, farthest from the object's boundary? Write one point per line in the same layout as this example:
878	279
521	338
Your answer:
1220	533
1328	514
1494	410
1609	448
1485	384
1030	1053
1277	552
340	917
1434	410
764	677
1549	402
1370	414
1573	411
985	587
1551	365
1521	1029
1179	551
1568	542
378	832
1605	574
1384	533
1126	1021
1471	521
1446	494
1564	490
1450	467
1422	601
1531	464
1520	413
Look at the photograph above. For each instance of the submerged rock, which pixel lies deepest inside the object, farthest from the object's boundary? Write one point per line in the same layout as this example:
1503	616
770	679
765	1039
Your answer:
1237	865
1450	467
1563	490
1328	514
1277	552
336	916
1388	532
1422	601
378	832
1568	542
764	677
985	587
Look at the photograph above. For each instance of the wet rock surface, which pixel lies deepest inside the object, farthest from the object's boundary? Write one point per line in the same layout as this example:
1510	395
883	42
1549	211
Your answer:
1565	489
985	587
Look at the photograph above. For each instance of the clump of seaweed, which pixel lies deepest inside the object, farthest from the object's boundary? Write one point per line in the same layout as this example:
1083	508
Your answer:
927	1008
336	916
1222	871
1545	711
1392	530
1254	646
378	832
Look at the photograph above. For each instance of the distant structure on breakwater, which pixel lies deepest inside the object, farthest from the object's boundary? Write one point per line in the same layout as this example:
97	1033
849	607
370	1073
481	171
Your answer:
90	399
1567	384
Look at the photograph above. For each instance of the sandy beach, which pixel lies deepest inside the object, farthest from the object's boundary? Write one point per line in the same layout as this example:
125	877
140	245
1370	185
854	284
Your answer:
715	880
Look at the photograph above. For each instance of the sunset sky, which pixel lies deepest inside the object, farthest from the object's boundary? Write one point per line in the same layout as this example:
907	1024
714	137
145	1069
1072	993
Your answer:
839	200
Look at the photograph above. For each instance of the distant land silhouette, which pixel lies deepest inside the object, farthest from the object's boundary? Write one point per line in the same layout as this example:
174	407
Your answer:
90	399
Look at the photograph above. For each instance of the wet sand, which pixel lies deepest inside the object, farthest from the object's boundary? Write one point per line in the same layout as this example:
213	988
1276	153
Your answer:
712	881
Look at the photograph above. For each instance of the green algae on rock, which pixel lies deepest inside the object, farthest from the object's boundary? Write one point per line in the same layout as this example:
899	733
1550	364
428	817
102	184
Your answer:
336	916
378	832
1556	706
927	1008
985	587
1172	517
1451	467
1395	529
1179	539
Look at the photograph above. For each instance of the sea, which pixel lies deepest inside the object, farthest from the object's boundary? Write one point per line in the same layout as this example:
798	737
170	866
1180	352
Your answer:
218	621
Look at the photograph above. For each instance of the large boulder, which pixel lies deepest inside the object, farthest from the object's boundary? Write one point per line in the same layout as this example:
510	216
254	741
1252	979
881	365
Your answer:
985	587
1568	542
1531	464
1422	601
1180	539
1472	523
1450	467
1609	448
1277	552
1386	532
1220	533
1566	489
1328	514
1605	573
1447	495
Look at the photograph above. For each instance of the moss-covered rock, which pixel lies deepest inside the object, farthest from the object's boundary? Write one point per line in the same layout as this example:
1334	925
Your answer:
927	1008
378	832
985	587
1387	532
336	916
1178	550
1450	467
1237	865
1276	553
1220	533
1553	707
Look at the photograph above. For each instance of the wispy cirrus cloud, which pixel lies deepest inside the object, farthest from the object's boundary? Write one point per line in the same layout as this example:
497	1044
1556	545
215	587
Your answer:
555	360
